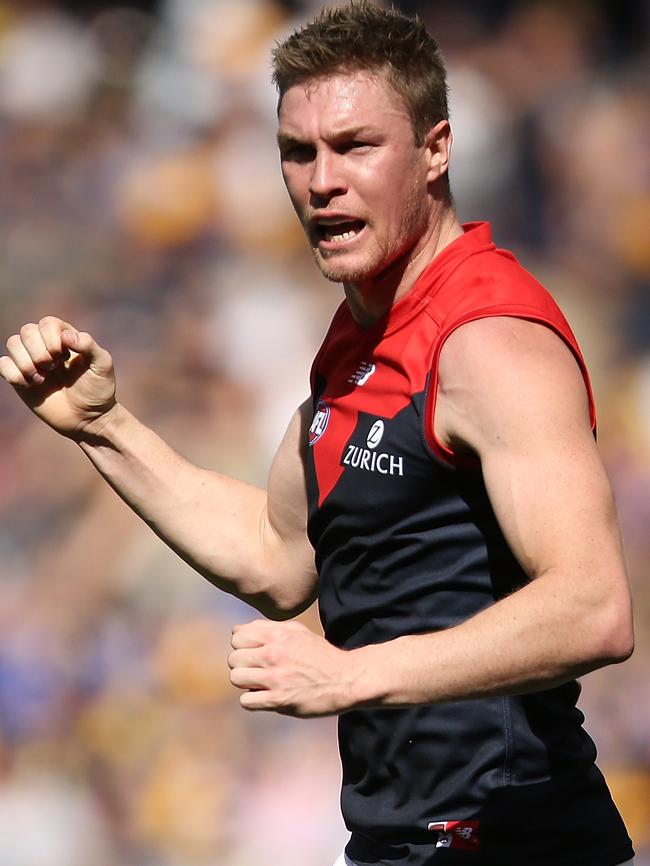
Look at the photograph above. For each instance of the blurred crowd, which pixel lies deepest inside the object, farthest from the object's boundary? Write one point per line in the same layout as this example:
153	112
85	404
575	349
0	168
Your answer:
141	199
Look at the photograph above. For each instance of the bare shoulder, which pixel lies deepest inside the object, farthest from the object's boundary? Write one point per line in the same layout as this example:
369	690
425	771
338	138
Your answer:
501	344
287	487
503	378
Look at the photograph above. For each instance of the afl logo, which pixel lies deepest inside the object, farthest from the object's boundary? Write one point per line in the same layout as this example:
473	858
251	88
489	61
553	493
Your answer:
319	424
375	434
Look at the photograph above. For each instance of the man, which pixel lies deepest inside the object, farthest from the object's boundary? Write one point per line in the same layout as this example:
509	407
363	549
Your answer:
440	492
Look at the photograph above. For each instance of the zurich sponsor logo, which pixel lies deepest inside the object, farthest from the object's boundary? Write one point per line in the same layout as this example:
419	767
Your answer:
375	434
319	422
371	460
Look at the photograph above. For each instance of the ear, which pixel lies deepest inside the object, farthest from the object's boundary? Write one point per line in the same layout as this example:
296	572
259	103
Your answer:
437	142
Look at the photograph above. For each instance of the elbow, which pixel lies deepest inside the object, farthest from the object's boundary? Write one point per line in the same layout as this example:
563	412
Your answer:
281	609
621	647
613	639
276	612
280	614
618	649
278	604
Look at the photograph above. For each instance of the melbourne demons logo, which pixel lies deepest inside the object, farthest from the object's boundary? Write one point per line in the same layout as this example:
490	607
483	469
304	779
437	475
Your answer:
320	421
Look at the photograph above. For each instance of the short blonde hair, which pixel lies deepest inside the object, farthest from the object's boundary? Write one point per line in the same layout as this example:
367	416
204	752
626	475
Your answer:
360	36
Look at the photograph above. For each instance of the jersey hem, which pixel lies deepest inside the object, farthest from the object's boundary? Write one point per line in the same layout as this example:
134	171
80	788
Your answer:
360	850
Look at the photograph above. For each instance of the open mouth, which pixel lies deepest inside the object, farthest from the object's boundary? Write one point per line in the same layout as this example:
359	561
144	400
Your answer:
338	231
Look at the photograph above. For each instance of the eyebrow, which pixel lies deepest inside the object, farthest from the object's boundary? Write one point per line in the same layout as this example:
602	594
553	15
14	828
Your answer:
347	132
284	140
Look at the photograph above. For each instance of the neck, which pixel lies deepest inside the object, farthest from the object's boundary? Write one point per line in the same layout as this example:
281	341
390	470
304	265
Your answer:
371	299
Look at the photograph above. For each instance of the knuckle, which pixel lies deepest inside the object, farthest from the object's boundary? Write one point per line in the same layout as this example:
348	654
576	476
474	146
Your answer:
48	320
42	356
27	329
12	341
9	372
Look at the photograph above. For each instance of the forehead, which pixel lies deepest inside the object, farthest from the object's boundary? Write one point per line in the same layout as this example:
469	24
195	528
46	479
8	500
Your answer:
337	101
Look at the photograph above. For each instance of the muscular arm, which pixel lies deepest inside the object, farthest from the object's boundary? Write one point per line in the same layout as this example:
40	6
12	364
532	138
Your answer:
247	541
511	393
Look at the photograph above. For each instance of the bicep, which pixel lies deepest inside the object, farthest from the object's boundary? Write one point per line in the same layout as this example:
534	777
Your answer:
554	504
553	501
522	408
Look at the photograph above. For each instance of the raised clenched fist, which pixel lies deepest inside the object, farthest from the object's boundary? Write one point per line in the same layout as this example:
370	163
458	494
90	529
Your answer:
61	374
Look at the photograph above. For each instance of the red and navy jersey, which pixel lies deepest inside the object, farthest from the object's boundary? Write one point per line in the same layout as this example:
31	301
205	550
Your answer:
406	542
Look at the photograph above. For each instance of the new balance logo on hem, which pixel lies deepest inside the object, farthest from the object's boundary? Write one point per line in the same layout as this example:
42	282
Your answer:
463	835
362	373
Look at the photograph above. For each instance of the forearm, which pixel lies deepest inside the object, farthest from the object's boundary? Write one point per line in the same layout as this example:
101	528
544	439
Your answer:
215	523
535	639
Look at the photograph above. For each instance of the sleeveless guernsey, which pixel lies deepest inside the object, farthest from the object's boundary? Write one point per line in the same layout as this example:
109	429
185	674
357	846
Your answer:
406	542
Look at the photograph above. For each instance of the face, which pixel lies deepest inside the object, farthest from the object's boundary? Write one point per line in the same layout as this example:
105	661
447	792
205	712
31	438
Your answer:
357	179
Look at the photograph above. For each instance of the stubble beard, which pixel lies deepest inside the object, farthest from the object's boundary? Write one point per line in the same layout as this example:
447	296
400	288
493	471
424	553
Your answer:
337	268
374	261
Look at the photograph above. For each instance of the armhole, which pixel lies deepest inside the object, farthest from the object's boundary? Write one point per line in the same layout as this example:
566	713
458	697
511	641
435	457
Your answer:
313	373
439	449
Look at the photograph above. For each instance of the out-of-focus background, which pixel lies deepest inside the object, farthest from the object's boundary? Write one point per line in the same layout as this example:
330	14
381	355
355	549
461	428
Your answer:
140	198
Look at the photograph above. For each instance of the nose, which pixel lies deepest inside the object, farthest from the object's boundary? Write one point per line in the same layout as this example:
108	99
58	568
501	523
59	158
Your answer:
326	178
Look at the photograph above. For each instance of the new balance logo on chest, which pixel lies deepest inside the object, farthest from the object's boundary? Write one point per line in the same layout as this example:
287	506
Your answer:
363	372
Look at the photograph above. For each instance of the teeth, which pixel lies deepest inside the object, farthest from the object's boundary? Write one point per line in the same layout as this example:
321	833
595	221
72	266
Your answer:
345	236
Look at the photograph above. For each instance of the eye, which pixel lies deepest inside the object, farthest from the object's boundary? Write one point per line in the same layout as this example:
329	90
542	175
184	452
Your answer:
297	153
354	146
